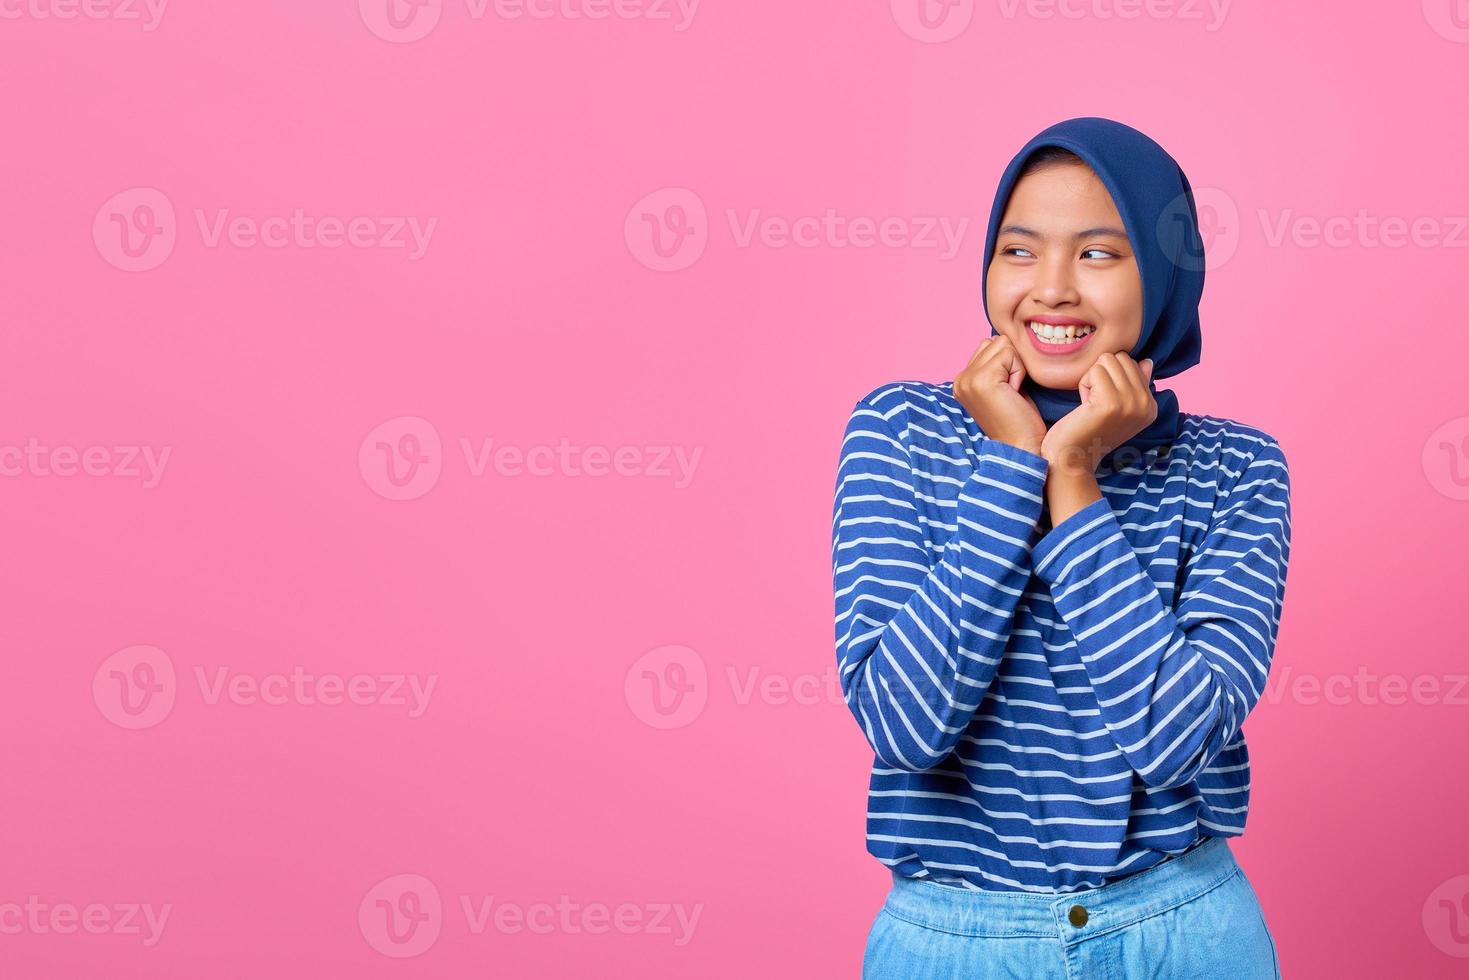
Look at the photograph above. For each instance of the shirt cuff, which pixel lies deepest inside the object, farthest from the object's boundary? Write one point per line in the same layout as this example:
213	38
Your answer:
1091	525
1015	454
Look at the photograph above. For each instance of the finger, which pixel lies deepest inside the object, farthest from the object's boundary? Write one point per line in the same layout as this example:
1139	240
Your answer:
1014	366
1103	381
1111	366
1128	365
1150	400
1002	354
1134	375
988	364
998	342
979	350
1140	395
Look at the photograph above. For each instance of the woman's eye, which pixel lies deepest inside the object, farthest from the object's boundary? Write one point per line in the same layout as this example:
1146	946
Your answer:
1101	253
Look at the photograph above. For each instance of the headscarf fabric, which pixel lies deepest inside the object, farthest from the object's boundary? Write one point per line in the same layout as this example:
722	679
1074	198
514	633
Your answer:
1159	215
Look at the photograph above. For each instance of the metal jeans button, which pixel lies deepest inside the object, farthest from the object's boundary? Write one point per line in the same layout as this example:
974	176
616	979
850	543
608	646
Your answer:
1077	915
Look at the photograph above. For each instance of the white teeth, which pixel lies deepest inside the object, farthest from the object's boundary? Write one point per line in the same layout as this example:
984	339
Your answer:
1057	334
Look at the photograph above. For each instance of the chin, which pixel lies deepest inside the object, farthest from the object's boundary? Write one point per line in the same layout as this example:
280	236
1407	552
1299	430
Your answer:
1053	378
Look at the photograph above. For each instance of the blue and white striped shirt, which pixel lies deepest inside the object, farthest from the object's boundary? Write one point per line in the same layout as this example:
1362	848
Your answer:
1051	708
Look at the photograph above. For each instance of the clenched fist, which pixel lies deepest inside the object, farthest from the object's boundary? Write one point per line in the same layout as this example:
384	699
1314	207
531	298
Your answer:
989	388
1116	404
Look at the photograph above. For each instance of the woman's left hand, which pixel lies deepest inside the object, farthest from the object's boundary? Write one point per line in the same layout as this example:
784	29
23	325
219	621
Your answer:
1116	405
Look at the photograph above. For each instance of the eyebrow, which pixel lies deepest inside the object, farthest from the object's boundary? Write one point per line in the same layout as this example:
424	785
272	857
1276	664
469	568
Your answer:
1085	233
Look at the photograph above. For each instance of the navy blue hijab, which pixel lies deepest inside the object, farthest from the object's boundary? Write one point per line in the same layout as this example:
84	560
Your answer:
1158	213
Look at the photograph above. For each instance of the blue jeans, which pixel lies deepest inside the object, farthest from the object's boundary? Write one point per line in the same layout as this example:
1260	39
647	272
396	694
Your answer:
1193	916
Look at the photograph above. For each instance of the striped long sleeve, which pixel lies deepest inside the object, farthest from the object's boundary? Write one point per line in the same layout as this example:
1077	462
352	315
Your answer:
918	639
1174	685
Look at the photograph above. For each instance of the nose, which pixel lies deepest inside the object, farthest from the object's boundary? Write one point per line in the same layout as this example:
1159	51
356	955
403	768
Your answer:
1055	282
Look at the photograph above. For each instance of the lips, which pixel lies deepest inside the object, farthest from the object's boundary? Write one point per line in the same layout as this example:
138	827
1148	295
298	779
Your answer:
1058	345
1058	321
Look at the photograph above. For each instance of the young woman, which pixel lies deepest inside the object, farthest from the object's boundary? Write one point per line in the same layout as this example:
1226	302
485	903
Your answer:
1057	598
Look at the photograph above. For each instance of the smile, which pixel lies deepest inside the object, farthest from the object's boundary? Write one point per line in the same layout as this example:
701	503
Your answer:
1050	339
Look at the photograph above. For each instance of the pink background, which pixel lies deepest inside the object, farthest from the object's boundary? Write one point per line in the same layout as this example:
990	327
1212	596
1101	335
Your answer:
542	313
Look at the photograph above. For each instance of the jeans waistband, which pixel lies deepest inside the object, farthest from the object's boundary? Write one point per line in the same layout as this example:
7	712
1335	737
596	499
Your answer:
1115	905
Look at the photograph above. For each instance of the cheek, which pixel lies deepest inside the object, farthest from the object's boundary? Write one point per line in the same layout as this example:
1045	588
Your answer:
1003	292
1121	309
1127	321
1118	298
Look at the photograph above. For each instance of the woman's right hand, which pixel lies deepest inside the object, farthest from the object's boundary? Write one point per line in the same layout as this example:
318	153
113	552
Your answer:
989	388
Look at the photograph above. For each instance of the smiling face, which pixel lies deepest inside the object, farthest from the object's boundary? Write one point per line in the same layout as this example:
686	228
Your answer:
1063	258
